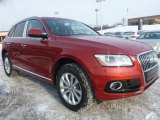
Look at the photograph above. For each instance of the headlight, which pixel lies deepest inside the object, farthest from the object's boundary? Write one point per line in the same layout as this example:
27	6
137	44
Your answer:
114	60
157	48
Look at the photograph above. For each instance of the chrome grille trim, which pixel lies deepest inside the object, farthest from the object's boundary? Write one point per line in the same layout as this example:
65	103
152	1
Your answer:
144	60
147	65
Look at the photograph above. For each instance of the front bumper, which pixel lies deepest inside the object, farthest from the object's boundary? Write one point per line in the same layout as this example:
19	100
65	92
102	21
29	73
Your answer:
102	75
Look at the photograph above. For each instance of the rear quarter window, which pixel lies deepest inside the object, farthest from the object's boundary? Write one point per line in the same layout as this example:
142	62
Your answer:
11	32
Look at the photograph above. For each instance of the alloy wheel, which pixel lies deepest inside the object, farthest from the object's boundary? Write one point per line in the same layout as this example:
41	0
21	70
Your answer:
7	65
70	89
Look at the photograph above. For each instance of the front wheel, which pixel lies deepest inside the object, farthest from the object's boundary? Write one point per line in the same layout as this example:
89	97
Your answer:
74	87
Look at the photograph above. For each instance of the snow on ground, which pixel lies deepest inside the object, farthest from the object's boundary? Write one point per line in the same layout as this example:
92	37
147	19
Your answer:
26	98
4	89
132	28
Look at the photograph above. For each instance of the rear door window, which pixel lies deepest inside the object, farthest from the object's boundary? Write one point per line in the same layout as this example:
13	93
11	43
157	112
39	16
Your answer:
18	32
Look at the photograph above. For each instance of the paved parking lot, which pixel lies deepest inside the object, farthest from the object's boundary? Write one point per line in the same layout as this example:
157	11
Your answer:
26	98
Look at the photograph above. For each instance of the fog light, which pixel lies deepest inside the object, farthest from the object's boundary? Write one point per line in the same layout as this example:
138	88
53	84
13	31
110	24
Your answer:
115	86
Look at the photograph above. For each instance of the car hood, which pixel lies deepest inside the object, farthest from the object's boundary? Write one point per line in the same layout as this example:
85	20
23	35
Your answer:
113	45
155	43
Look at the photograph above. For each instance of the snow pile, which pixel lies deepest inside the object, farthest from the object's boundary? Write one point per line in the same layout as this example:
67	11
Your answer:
4	89
150	116
41	107
132	28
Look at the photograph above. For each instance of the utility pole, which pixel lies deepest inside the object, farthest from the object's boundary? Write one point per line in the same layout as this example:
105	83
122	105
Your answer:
127	15
96	10
100	1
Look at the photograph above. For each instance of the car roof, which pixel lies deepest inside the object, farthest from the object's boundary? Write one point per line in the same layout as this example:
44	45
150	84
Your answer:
40	18
152	31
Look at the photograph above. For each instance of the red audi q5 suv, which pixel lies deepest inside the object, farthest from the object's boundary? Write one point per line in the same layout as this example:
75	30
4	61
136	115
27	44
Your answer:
84	65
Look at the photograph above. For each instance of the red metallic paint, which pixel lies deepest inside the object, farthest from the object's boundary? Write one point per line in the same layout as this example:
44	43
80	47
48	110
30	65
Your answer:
41	58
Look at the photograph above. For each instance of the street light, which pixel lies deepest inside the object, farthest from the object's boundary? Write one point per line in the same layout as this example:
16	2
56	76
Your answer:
96	10
100	1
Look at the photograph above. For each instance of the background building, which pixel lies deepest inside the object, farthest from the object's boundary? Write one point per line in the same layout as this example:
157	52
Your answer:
148	20
3	34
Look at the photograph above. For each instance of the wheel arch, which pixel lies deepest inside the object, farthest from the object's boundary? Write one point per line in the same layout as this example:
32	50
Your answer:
69	59
4	51
65	60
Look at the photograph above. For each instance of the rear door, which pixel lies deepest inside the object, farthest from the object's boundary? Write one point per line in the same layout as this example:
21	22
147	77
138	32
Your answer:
37	55
15	41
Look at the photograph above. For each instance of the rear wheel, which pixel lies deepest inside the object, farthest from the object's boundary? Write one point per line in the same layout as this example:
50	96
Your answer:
74	88
8	66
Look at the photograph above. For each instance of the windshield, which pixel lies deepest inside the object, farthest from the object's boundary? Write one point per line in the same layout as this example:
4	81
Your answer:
65	27
129	33
150	35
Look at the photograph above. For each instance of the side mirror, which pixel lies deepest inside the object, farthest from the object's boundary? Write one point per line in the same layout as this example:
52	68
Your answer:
37	33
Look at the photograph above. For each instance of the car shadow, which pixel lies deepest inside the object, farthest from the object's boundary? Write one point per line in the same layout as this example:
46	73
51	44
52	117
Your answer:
50	89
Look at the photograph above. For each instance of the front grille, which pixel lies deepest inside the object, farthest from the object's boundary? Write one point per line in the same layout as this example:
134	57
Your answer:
149	63
150	75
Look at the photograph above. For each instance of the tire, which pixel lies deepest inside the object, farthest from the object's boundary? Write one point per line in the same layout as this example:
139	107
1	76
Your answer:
8	66
76	91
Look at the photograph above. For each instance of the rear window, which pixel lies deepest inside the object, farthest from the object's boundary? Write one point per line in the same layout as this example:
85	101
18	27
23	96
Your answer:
150	35
129	33
118	33
18	32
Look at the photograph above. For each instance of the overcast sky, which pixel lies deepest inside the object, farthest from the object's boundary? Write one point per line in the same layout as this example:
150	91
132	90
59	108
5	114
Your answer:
11	11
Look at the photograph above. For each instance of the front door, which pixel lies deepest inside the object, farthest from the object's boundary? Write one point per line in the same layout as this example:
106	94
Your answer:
36	54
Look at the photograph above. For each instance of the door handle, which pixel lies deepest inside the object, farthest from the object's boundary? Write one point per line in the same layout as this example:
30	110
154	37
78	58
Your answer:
23	45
